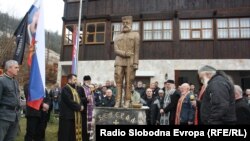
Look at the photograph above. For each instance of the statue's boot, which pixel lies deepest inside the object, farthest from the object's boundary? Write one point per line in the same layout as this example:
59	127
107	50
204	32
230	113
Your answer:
118	96
126	104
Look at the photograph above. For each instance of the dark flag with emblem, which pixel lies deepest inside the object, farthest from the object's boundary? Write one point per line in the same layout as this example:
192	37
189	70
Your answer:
21	38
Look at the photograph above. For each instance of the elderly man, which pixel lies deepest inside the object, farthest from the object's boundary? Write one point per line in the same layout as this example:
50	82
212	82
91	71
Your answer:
159	104
185	111
9	102
174	95
126	48
109	100
242	109
218	104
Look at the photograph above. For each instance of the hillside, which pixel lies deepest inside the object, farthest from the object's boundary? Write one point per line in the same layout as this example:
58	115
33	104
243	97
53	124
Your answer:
8	25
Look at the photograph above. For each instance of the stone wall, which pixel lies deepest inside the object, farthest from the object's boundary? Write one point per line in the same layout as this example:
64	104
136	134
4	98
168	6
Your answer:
100	71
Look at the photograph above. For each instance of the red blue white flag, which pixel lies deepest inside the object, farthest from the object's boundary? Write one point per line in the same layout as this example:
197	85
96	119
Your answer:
36	58
74	50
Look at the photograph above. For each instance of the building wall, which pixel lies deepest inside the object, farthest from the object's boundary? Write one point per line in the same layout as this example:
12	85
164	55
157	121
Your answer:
97	8
110	11
100	71
158	57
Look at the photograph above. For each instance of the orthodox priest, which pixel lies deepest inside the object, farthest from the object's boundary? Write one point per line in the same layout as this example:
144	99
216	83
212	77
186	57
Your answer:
70	120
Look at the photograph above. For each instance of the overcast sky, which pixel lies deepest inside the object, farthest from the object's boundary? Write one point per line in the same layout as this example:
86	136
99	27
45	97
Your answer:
53	11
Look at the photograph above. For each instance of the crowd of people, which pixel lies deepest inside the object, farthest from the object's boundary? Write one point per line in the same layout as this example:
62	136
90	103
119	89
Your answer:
218	102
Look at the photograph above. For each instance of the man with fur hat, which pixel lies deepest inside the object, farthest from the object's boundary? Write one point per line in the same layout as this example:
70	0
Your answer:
217	104
173	96
87	100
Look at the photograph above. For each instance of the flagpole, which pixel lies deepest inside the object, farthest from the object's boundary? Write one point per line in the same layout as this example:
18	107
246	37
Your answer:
78	33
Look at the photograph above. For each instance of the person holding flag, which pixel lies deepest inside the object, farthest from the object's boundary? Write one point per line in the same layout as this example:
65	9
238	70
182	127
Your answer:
36	119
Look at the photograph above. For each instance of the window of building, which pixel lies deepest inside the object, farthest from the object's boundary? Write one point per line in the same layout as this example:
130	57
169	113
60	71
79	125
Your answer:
196	29
95	33
117	28
68	36
233	28
157	30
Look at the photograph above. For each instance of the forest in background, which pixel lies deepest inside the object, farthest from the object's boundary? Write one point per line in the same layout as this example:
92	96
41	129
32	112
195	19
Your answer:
8	25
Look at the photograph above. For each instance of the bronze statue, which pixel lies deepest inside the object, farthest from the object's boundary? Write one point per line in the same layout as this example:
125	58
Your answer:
126	47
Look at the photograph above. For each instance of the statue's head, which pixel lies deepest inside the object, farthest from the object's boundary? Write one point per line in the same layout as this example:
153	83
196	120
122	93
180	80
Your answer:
127	23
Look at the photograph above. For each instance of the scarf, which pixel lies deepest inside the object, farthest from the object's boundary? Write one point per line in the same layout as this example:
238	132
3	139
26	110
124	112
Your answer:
178	109
169	92
202	91
164	118
78	118
167	98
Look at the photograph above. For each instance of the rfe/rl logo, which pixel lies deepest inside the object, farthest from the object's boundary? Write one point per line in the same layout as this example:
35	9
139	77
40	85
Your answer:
226	132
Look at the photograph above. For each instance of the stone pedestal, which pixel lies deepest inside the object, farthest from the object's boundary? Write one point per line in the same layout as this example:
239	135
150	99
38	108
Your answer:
119	116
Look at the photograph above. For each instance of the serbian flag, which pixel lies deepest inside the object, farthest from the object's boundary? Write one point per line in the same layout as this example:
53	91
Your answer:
37	55
74	51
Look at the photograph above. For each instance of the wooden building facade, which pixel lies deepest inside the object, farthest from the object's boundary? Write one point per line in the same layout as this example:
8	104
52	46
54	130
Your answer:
170	30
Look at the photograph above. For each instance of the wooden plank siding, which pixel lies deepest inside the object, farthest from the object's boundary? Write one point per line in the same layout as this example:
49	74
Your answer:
111	11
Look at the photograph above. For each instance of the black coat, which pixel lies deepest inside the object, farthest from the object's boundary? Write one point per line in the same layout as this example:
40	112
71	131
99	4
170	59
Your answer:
141	90
81	92
106	102
67	105
174	98
31	112
83	98
242	112
218	103
150	103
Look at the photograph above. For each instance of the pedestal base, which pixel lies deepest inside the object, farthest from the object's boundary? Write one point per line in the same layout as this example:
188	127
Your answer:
119	116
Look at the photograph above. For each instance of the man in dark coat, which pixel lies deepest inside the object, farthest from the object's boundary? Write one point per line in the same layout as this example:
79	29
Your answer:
140	89
83	97
242	109
9	102
148	100
55	94
108	100
69	115
36	119
218	103
174	98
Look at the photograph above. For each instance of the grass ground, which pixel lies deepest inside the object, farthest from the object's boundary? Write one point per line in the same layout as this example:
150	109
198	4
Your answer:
51	131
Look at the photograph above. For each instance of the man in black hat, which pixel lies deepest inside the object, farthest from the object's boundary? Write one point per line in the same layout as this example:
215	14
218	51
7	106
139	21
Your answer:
174	98
87	98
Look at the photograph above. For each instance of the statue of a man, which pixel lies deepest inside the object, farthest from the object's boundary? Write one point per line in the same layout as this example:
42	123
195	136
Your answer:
126	48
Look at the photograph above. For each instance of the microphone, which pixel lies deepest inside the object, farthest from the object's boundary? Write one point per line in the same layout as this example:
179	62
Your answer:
192	97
